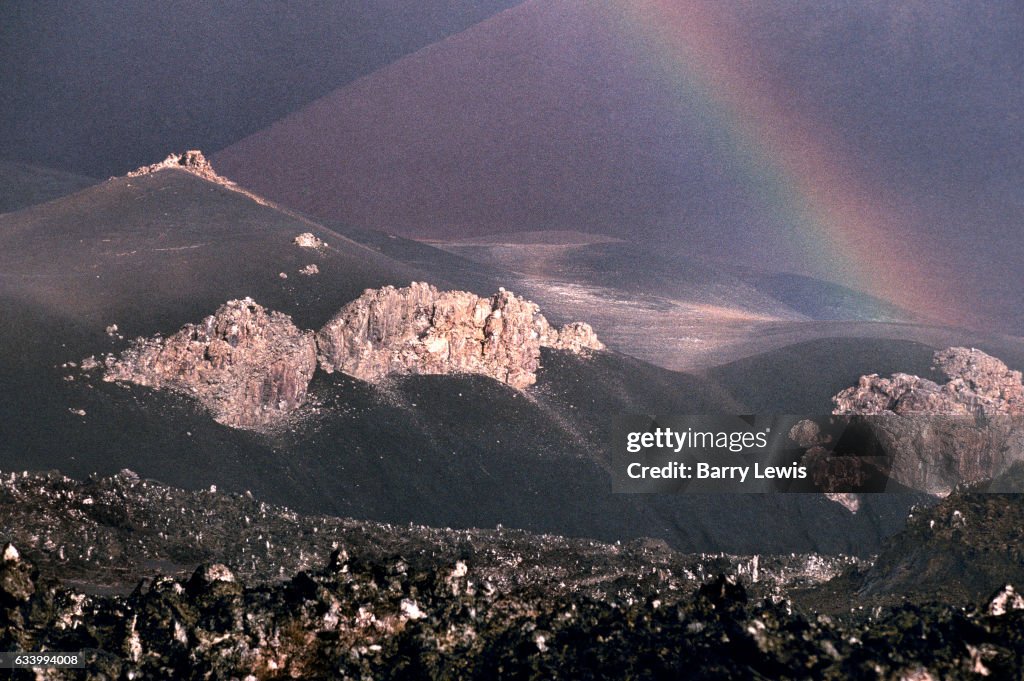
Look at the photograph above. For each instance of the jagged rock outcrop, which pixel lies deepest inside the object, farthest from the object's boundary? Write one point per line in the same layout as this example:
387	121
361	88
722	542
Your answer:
192	160
421	330
575	337
968	429
979	384
250	367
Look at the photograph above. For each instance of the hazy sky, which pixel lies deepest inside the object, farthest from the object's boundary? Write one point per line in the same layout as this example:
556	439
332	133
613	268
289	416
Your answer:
102	86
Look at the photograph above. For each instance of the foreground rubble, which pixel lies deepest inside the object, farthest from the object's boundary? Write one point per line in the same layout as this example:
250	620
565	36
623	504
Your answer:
394	619
271	599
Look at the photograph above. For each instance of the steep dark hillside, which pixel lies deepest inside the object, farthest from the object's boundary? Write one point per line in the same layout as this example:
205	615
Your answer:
155	251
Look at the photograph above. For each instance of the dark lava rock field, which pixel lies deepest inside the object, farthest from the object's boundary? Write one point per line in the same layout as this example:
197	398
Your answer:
106	566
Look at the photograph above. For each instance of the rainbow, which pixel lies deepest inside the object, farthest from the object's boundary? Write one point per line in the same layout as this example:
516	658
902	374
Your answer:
838	221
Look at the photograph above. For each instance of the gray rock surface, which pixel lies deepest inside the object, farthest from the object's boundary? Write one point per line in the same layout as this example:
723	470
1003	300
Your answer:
250	367
193	161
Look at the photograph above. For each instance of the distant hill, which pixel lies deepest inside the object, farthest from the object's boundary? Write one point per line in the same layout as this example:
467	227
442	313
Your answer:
825	300
23	185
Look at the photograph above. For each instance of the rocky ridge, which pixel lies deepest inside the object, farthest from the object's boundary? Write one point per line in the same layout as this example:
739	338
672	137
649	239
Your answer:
421	330
110	532
251	367
968	429
195	162
248	366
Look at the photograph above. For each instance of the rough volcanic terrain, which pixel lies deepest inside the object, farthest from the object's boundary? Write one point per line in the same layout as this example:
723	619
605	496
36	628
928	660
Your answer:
393	601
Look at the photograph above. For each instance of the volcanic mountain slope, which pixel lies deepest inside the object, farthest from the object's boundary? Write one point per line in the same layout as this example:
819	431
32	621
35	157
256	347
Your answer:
23	185
597	260
157	250
539	118
154	252
680	311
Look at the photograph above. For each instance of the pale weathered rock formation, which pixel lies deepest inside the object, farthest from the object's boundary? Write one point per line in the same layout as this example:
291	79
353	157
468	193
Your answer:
194	162
421	330
577	337
968	429
250	367
308	240
979	384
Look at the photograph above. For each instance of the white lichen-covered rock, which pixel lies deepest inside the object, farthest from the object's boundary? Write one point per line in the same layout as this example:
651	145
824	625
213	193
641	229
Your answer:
421	330
250	367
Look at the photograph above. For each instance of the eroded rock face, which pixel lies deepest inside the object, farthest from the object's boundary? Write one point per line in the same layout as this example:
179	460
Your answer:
979	384
421	330
250	367
968	429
